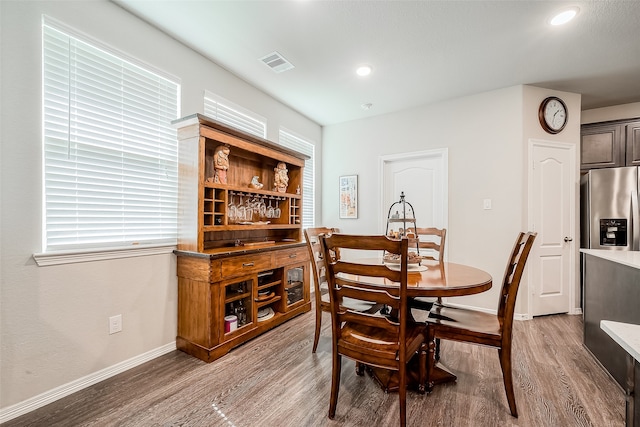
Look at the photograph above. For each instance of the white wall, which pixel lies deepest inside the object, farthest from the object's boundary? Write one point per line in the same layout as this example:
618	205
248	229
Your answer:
487	136
485	146
54	320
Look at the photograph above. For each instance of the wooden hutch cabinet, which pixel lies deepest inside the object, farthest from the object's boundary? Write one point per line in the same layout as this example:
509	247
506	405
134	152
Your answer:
243	267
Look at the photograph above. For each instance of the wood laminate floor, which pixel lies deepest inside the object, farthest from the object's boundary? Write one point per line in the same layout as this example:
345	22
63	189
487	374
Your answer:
275	380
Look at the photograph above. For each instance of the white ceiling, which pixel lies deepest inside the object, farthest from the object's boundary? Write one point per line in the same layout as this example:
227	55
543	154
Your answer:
422	52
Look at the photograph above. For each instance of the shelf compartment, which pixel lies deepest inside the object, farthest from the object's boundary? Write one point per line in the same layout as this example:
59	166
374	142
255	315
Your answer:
237	297
251	191
242	307
269	285
270	301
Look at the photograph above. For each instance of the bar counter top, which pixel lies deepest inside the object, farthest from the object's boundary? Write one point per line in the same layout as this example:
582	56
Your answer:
629	258
625	334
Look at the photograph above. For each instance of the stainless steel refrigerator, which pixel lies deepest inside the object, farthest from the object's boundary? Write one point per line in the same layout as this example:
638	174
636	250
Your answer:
610	216
609	220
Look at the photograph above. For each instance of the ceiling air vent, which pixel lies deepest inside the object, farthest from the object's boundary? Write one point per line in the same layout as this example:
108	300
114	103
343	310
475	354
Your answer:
277	62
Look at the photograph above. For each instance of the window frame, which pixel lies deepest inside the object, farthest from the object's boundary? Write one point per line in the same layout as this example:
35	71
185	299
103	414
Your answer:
103	250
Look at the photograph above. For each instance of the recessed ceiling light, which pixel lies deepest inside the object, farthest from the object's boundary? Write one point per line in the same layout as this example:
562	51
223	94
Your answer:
363	70
564	16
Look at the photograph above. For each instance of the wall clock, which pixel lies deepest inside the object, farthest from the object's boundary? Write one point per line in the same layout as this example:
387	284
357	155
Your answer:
553	114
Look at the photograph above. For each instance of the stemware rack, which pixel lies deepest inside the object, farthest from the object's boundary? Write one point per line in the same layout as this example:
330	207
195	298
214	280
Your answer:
259	208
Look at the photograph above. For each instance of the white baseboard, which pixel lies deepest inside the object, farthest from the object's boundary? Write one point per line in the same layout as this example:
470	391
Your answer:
488	310
57	393
516	316
470	307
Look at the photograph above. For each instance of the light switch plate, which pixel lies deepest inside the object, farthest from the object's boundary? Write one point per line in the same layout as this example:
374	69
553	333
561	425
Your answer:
115	324
486	204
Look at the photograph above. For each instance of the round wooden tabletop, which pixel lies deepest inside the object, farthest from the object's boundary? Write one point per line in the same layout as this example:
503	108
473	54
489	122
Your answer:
445	279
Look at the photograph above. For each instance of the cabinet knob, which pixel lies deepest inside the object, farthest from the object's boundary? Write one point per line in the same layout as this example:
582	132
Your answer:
293	255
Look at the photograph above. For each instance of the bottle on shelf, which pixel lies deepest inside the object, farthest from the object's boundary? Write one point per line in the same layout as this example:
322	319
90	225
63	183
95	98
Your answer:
241	312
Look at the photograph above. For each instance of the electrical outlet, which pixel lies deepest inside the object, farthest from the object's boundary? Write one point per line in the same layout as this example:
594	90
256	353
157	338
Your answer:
115	324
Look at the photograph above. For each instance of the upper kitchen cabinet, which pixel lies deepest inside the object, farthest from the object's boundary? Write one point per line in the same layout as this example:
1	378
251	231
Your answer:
633	144
610	144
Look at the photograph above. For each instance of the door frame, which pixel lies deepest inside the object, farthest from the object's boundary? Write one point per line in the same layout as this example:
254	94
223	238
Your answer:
439	154
571	147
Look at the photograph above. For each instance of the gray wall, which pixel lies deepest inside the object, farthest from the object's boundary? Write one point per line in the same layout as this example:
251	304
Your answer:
54	319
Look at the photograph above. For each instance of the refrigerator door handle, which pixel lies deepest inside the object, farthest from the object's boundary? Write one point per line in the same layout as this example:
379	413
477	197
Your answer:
635	222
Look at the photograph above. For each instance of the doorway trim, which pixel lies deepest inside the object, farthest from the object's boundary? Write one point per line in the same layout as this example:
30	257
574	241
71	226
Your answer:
440	155
533	287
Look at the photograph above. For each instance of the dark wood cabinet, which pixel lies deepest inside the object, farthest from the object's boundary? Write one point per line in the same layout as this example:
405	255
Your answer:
610	144
237	276
633	143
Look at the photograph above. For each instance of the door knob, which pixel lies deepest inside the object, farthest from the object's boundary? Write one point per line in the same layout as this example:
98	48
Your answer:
568	239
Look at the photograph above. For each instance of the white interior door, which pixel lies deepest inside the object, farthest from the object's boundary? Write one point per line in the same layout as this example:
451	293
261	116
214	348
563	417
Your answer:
422	176
552	210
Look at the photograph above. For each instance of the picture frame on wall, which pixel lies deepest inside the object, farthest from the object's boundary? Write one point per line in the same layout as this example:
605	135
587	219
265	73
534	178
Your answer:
349	196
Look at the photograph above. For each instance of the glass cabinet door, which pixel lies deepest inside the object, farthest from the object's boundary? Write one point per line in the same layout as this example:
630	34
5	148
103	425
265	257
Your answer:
294	284
238	305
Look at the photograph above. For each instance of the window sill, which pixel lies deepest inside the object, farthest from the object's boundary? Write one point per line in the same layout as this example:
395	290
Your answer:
72	257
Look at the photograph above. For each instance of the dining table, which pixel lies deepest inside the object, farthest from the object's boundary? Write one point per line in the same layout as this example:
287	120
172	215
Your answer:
431	279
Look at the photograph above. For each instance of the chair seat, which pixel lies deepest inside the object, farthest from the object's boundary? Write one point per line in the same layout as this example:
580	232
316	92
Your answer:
381	346
491	330
465	322
354	304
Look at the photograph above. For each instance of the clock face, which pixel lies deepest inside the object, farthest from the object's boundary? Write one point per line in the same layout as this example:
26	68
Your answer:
553	114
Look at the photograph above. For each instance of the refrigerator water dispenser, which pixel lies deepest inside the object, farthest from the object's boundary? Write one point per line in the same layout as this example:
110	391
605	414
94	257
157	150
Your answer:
613	232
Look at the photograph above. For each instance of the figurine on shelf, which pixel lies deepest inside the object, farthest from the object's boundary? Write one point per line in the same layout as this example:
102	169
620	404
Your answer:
298	190
255	183
281	178
221	164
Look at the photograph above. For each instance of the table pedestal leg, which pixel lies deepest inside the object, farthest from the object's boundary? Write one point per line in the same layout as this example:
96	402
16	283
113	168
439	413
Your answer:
389	381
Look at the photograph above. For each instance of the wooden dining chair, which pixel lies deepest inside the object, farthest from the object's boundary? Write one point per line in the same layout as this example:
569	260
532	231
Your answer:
431	246
476	327
387	342
320	287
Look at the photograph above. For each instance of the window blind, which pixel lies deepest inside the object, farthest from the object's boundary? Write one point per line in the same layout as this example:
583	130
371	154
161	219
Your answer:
110	152
234	115
290	140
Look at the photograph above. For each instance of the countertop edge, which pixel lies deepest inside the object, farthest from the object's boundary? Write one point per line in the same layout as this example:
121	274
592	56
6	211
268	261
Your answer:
628	258
237	250
627	335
